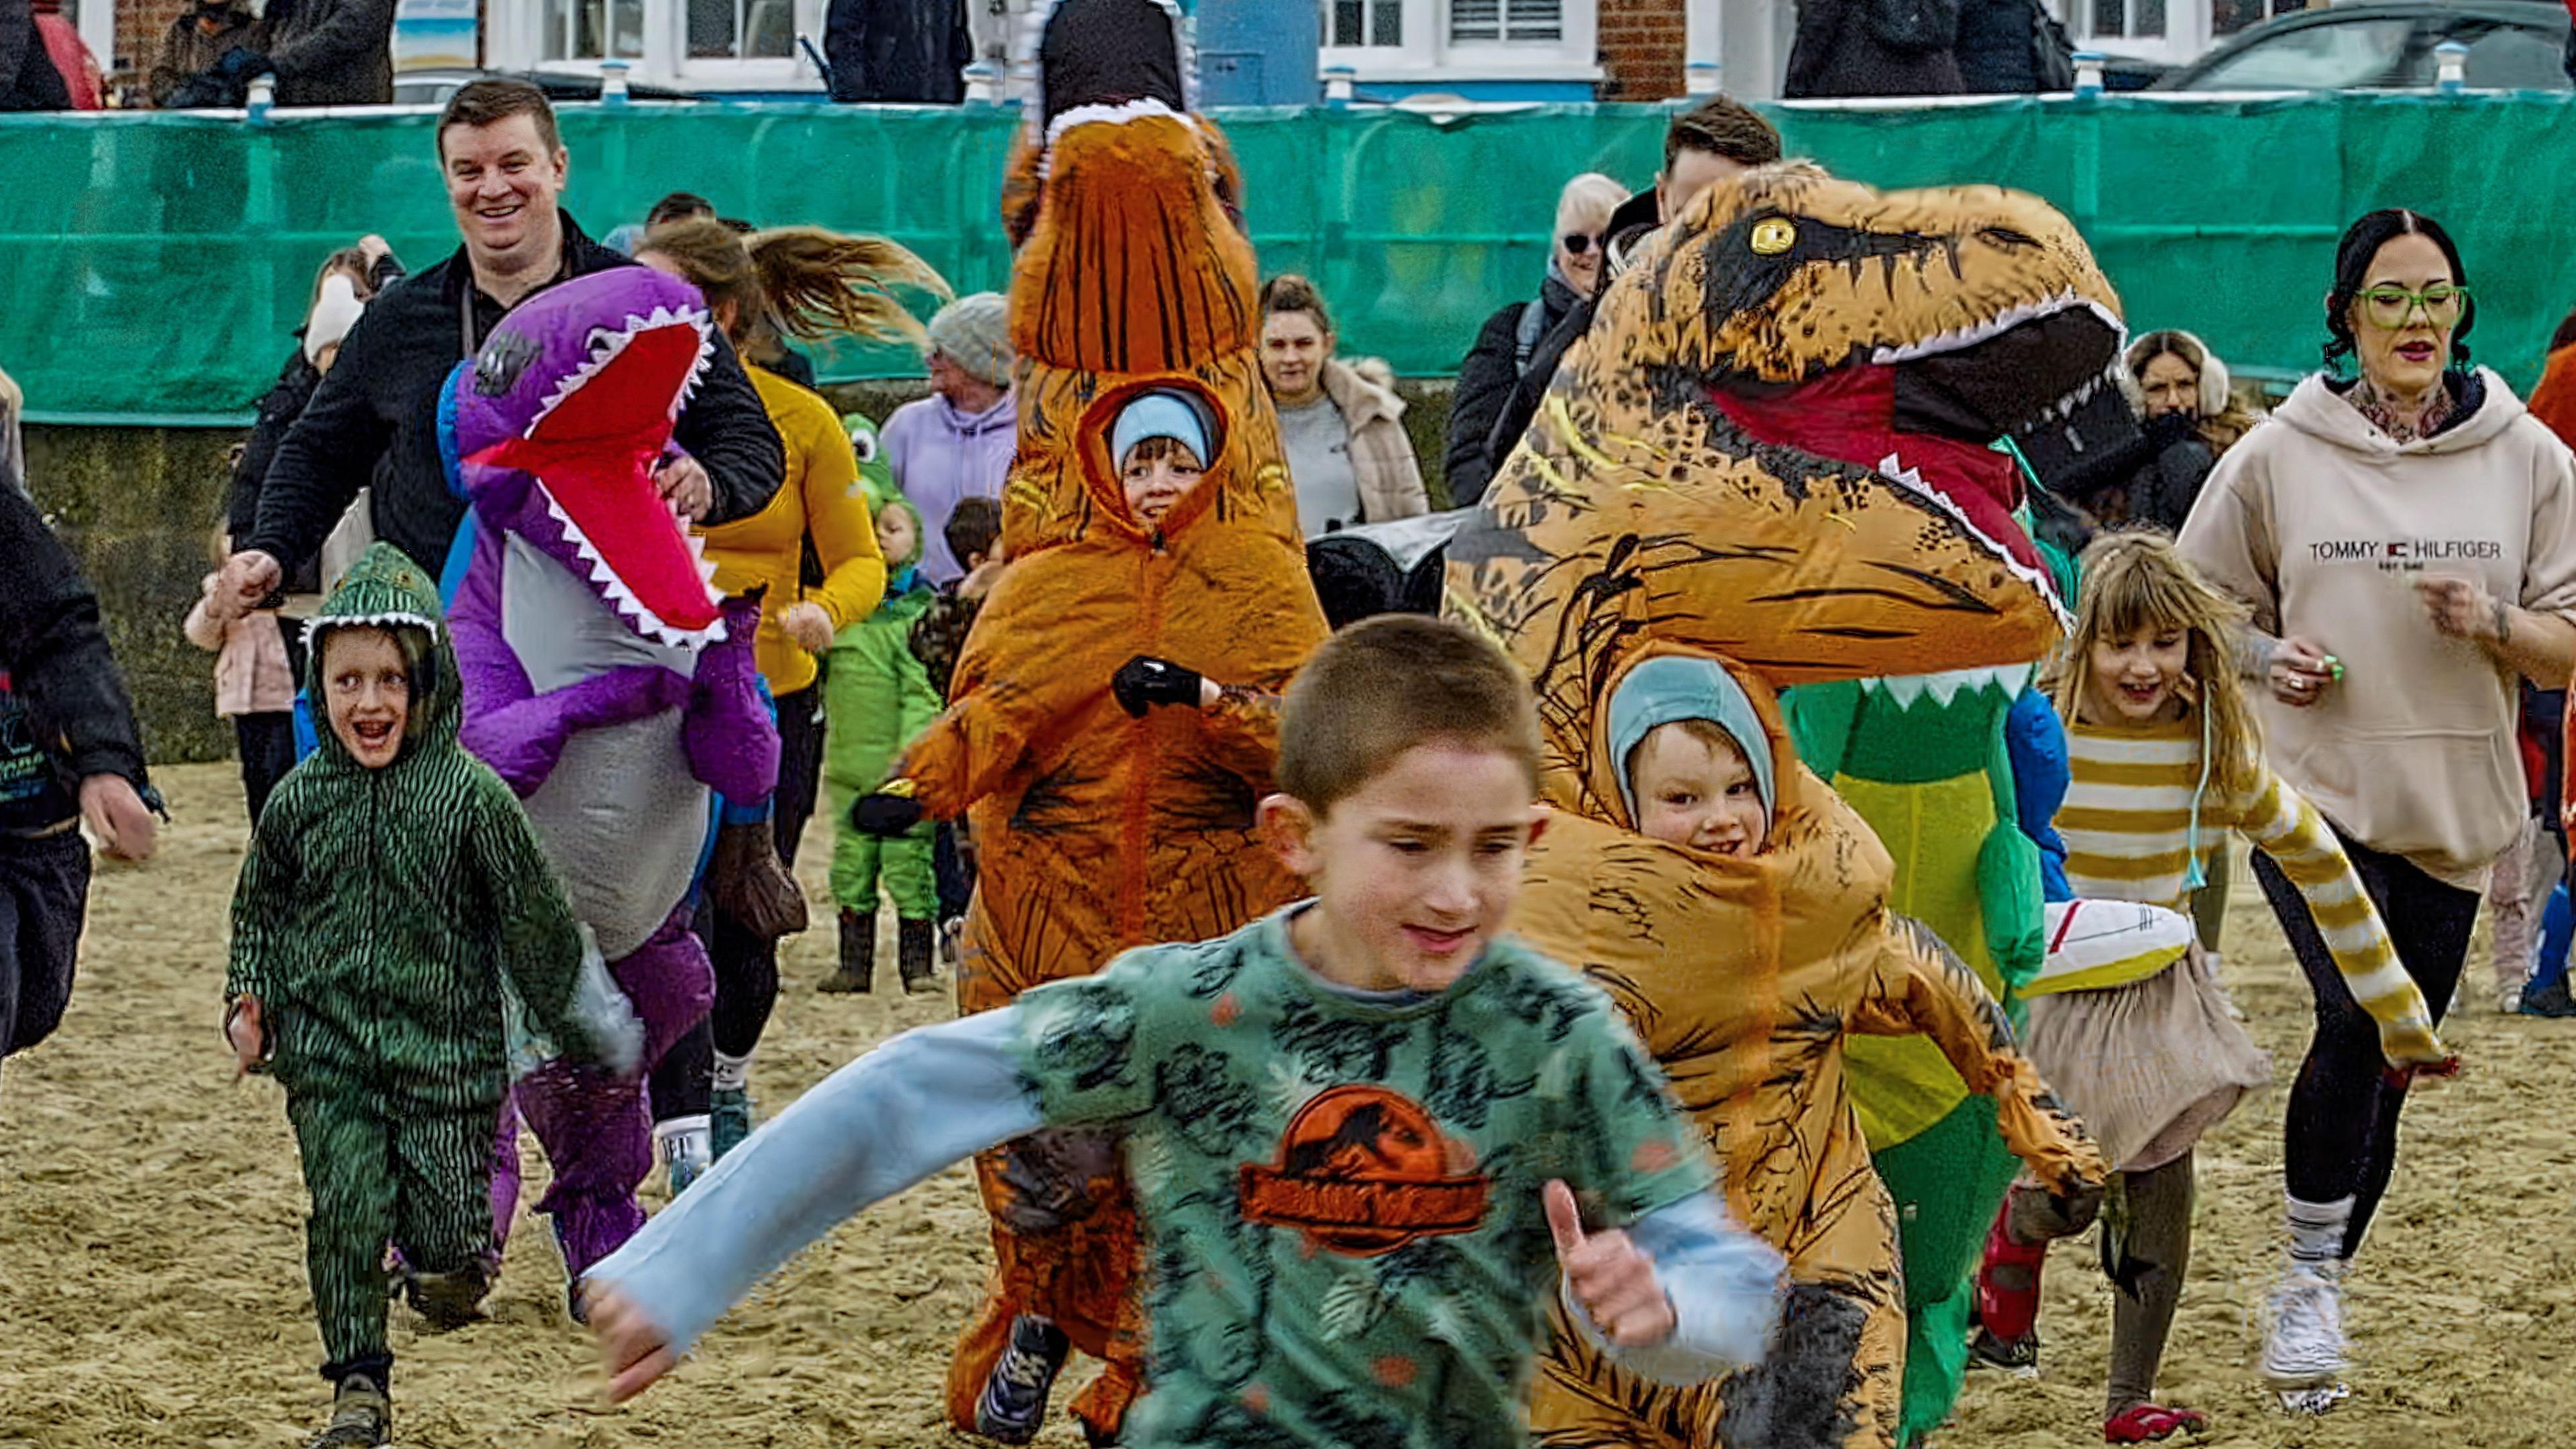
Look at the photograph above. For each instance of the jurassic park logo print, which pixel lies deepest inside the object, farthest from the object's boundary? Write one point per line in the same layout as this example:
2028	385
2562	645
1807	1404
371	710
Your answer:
1363	1171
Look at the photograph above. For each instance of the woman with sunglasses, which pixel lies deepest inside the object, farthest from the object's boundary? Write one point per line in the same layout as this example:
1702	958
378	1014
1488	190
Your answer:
1511	337
2405	533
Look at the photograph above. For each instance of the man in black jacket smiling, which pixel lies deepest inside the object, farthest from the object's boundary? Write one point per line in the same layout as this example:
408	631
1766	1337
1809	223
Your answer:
505	167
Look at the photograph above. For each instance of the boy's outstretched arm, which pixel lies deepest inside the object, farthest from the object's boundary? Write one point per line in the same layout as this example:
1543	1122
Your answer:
1921	986
1682	1295
928	1098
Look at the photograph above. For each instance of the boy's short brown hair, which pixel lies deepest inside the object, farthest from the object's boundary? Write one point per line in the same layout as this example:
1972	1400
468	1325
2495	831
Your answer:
1722	126
1385	685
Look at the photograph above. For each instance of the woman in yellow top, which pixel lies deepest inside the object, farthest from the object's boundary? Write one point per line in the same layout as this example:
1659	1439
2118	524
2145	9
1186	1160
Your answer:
808	283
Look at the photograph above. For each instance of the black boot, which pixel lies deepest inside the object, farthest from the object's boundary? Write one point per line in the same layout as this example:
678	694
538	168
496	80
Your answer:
858	953
916	957
361	1416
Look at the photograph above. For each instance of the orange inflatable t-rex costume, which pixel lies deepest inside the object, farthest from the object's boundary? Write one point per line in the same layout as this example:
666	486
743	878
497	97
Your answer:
1745	976
1098	831
1771	448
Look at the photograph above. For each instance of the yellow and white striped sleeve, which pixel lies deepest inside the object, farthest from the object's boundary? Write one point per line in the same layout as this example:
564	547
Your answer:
2281	822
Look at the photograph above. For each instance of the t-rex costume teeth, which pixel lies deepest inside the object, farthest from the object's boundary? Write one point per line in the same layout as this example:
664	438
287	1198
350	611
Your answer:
1771	448
604	681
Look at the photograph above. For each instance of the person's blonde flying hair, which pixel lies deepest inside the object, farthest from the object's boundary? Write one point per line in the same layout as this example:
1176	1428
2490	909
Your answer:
2135	581
811	283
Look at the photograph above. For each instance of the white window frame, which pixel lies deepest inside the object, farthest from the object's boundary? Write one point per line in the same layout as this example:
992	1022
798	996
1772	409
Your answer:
517	41
2187	31
1428	56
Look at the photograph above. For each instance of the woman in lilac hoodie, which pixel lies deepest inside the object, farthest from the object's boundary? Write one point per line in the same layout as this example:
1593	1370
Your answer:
956	443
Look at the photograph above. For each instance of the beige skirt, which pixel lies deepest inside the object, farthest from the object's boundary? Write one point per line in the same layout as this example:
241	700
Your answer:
2149	1066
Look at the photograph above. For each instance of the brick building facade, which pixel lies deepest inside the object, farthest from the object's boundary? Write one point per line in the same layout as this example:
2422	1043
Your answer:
1643	45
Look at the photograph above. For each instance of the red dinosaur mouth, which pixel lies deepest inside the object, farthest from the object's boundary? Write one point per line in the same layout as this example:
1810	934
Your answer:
593	461
1848	415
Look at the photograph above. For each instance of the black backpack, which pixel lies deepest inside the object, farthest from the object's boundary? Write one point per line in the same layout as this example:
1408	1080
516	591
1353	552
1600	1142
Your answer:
2052	54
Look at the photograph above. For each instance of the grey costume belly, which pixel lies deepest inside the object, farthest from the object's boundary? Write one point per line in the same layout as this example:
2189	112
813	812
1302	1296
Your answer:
621	817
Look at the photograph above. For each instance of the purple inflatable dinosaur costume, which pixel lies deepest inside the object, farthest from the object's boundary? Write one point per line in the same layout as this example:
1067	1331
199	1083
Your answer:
605	682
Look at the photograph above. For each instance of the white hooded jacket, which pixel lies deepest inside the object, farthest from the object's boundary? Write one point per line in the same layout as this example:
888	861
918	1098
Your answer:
2323	524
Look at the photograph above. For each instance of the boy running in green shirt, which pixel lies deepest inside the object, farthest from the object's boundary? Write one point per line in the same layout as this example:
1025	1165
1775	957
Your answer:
1371	1137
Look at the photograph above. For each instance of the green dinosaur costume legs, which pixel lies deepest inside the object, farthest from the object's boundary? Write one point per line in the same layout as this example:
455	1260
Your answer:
1948	1182
383	1168
860	861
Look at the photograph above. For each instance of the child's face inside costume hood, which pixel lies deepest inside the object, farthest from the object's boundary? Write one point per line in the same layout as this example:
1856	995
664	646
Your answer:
898	534
366	683
381	671
1696	787
1158	477
1694	755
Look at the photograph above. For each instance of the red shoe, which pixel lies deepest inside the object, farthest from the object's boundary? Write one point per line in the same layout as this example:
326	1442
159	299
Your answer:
2008	1283
2146	1423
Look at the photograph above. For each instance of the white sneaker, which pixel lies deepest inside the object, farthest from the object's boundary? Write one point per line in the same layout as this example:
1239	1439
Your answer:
2306	1348
688	1150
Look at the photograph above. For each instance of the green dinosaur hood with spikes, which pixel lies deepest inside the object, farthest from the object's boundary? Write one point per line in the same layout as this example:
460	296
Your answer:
385	590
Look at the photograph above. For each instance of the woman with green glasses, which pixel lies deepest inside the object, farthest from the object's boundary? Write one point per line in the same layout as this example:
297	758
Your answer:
2405	534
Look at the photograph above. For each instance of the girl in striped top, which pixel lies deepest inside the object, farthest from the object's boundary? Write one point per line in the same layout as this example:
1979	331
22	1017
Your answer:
2166	760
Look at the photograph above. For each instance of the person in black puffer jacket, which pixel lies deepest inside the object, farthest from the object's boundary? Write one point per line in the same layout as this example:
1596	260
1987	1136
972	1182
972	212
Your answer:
2181	394
69	756
1509	340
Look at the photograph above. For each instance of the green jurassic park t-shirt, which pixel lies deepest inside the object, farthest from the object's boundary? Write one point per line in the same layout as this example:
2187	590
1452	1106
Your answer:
1347	1241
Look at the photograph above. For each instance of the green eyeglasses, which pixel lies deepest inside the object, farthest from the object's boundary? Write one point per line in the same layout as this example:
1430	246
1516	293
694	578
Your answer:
2392	307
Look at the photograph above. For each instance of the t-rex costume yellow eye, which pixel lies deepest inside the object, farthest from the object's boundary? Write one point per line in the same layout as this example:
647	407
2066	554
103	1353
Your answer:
1771	449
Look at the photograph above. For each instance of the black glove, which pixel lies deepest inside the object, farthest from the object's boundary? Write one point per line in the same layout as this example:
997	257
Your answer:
883	814
2172	428
1143	682
240	63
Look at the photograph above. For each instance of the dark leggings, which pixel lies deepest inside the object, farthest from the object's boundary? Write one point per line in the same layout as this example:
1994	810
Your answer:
2342	1135
746	967
267	741
267	737
2147	1250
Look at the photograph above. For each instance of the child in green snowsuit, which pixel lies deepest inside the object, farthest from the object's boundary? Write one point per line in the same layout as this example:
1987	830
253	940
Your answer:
876	697
394	906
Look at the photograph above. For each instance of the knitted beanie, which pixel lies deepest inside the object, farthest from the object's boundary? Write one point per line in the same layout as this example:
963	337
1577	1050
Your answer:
975	333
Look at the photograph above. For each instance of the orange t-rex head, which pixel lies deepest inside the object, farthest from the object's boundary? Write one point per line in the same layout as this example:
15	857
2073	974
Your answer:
1132	261
1772	443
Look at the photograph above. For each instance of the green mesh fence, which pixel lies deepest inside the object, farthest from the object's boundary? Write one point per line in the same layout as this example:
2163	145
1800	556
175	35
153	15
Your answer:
152	267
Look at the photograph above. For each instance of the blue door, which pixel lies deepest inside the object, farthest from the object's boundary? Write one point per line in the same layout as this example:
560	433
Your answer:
1259	53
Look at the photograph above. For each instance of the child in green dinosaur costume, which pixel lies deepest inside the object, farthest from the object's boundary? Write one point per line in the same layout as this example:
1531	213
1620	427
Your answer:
1926	761
394	909
876	698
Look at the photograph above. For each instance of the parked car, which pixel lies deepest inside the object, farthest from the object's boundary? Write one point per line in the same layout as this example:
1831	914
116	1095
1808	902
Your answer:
2382	45
433	87
2133	72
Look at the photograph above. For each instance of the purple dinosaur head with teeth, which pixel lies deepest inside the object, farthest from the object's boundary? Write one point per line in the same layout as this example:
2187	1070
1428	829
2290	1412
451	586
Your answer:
559	421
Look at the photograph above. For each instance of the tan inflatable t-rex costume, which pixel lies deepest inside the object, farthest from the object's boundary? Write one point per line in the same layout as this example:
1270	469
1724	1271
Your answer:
1770	449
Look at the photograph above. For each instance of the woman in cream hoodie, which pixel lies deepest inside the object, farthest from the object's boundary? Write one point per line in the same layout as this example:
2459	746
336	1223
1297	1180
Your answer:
2409	537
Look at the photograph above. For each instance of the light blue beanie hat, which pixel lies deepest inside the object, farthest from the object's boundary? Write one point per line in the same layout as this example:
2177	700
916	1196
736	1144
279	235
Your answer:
1162	413
1674	687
